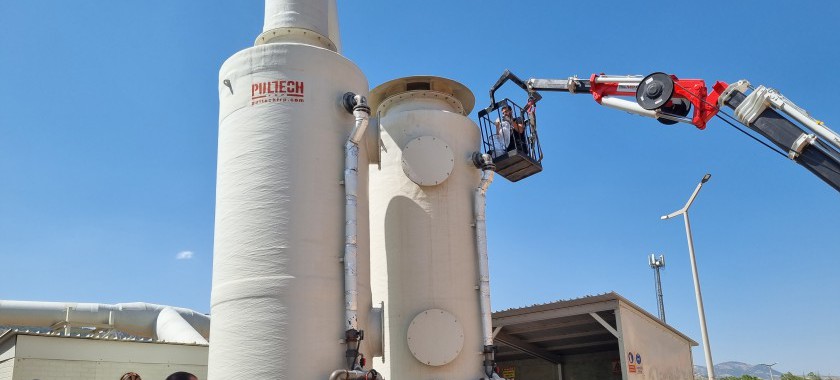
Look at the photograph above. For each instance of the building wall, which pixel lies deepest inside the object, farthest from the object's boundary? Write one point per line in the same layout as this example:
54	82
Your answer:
49	369
6	367
7	349
600	366
664	355
7	359
529	369
61	358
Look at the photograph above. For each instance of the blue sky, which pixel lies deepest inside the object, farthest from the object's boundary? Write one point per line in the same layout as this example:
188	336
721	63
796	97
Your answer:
108	132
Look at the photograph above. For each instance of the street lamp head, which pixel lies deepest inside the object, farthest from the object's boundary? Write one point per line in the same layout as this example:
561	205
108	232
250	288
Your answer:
706	178
673	214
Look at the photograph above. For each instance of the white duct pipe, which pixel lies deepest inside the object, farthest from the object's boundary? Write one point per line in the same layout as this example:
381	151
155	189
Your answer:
170	326
361	112
141	319
480	207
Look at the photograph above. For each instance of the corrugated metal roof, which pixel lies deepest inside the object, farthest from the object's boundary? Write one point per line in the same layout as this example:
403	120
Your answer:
15	332
560	328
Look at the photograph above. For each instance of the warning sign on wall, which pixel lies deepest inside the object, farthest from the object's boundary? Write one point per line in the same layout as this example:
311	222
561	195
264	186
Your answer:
509	373
634	363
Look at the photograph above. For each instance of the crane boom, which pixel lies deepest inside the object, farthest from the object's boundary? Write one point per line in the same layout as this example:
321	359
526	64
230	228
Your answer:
807	141
809	150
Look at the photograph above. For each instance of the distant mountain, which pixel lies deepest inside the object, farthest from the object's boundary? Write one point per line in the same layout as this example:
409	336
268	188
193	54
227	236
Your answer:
738	369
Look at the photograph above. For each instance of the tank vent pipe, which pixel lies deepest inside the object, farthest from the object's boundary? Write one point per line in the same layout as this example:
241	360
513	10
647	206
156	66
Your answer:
356	104
485	163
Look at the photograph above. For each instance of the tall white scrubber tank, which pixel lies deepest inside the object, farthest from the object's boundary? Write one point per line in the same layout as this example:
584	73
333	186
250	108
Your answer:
423	247
277	301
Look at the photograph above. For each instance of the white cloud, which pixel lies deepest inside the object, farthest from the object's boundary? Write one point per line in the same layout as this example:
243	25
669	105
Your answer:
184	255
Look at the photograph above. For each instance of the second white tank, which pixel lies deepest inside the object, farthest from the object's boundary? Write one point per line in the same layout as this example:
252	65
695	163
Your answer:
423	251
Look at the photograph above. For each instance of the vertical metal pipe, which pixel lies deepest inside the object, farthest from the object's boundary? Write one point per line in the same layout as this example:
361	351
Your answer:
361	112
351	174
483	260
351	170
483	265
710	369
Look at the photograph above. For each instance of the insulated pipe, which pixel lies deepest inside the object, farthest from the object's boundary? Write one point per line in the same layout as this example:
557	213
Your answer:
361	112
483	265
172	327
137	318
351	155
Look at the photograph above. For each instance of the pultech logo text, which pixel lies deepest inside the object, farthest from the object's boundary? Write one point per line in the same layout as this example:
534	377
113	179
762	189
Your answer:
277	91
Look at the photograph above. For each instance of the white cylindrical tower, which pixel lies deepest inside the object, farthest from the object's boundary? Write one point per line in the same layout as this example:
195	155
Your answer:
314	22
278	300
423	247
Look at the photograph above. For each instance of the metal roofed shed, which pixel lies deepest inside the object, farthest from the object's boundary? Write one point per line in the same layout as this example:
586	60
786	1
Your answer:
26	355
594	337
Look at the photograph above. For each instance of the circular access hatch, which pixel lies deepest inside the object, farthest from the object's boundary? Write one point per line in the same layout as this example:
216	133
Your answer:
427	160
435	337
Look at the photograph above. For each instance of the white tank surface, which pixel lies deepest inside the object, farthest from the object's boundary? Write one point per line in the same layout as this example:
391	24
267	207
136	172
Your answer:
278	300
313	22
423	247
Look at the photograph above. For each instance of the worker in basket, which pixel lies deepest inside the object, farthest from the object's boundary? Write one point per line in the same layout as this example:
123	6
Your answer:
510	133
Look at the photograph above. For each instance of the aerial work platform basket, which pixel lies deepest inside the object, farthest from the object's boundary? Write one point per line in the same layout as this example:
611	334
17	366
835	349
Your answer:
510	137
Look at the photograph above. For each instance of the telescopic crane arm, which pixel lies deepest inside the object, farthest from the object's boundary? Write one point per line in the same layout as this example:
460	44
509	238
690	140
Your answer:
807	141
663	97
762	111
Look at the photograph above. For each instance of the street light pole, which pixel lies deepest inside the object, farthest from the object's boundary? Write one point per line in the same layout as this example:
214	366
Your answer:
770	367
684	212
